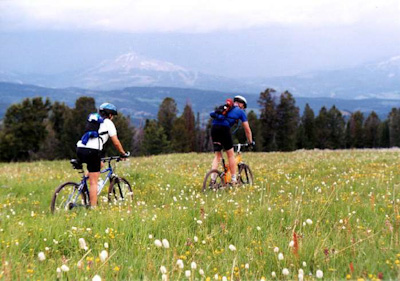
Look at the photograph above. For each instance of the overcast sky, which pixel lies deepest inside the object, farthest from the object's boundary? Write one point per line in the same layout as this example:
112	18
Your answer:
289	34
192	15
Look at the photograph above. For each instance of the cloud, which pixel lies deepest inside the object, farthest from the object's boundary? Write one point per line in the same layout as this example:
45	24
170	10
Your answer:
191	15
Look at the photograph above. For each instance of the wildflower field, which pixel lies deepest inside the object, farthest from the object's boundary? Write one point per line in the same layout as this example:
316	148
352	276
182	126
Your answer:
311	215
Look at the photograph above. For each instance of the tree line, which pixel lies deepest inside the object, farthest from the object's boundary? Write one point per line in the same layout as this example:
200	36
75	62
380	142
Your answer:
38	129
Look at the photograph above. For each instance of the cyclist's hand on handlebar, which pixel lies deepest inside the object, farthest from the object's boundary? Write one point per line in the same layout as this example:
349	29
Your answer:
252	144
126	155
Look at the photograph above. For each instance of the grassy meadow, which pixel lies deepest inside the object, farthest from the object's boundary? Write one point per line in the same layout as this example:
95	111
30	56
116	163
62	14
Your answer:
329	215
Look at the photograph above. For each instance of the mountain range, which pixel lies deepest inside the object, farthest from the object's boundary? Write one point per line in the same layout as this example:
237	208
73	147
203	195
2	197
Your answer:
375	80
142	103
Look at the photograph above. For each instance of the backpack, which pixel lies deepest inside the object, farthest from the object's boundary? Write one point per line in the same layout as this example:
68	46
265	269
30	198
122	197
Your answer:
225	108
92	128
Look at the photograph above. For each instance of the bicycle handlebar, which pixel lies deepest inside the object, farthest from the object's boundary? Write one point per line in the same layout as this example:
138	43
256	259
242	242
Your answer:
109	159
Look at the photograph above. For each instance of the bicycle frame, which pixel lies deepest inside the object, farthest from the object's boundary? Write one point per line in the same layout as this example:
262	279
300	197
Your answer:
238	160
83	186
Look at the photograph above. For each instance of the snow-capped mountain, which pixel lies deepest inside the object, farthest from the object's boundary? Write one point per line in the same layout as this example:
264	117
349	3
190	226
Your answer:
373	80
132	69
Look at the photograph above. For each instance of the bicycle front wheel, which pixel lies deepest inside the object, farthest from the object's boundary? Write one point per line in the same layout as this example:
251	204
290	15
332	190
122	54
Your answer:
245	176
119	190
213	180
67	196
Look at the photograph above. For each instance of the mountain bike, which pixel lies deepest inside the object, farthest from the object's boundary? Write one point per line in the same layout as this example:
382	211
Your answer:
216	179
70	195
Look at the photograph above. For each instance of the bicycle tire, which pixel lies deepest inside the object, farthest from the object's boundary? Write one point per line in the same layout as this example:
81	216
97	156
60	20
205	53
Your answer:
119	190
60	200
218	183
245	175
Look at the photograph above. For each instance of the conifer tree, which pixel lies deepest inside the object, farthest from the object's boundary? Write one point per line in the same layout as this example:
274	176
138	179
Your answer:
166	115
336	125
394	127
356	131
384	134
371	129
307	131
322	129
183	132
287	120
154	139
268	120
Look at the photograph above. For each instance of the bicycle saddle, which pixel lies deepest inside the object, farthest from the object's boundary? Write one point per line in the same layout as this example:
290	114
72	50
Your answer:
76	164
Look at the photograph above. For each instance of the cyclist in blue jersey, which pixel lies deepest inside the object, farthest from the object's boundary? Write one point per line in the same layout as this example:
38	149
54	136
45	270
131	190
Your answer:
221	133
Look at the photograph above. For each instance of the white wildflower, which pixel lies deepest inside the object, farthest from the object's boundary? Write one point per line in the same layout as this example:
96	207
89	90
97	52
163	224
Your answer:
179	263
158	243
319	274
103	255
280	257
163	270
41	256
82	244
96	278
165	243
187	273
65	268
232	248
193	265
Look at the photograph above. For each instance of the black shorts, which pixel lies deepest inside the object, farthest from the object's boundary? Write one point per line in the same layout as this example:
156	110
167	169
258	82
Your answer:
92	157
221	137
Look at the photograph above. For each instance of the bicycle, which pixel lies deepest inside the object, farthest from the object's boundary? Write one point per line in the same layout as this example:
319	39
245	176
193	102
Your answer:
70	195
216	179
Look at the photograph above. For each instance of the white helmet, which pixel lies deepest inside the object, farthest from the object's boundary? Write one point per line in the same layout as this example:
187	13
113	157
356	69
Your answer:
240	99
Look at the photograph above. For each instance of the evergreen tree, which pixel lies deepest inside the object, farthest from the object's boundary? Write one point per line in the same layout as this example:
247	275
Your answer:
394	127
154	139
167	115
322	129
200	135
356	132
57	116
336	125
287	120
24	129
384	134
371	129
307	131
183	132
268	120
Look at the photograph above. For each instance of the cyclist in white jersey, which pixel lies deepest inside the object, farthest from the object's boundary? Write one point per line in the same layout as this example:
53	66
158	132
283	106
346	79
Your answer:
90	153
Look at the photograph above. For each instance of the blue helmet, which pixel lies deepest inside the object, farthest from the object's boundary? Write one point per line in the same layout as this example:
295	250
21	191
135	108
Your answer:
108	108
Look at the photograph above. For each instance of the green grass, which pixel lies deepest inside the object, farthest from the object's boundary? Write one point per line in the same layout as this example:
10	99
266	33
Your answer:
351	197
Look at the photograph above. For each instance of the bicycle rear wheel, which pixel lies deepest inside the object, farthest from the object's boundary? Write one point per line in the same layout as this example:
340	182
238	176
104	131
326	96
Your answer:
213	180
245	176
67	196
119	190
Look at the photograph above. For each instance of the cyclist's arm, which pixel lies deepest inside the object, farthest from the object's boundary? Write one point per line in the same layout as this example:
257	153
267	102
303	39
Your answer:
247	131
117	144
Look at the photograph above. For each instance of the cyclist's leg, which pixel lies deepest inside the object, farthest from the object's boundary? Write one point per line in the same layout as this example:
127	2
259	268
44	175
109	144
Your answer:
216	135
217	159
232	163
93	179
93	166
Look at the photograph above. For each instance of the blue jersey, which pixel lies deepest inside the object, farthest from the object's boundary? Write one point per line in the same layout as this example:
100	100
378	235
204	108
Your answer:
230	118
